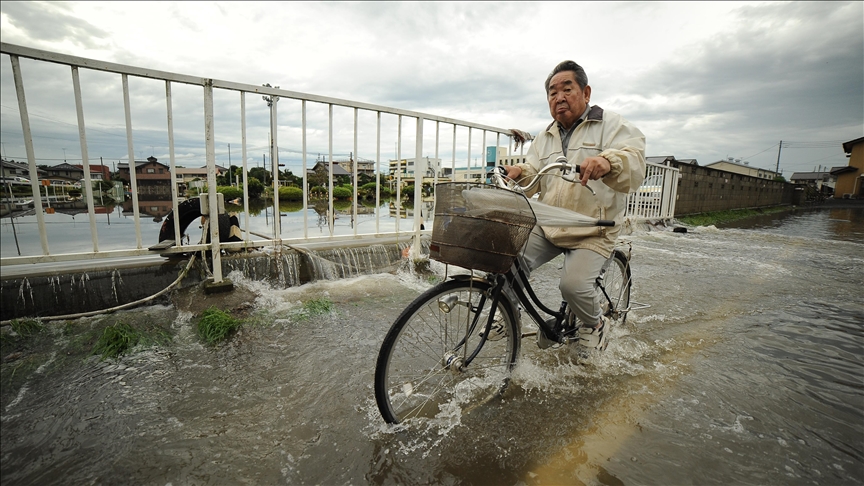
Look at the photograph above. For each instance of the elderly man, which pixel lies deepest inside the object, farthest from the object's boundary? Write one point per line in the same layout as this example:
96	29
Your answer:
611	153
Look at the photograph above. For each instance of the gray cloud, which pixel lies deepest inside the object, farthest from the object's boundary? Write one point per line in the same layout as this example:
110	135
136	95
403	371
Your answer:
48	23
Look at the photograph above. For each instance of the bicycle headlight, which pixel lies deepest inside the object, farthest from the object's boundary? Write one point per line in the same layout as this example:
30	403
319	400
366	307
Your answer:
446	303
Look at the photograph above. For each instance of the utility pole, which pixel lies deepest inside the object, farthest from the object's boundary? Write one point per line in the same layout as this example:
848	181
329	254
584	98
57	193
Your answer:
777	169
229	165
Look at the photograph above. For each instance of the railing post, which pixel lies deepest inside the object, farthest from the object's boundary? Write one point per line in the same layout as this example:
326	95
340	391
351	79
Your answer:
31	155
354	162
133	179
331	217
418	190
274	161
305	175
212	197
85	157
178	238
245	170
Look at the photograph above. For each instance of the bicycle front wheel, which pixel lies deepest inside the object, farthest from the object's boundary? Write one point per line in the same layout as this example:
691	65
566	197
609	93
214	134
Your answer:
426	359
616	285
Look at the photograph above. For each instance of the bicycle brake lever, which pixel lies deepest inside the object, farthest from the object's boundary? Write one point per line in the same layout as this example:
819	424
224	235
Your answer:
573	177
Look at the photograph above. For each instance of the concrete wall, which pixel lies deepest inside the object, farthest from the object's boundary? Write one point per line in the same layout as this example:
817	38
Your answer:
103	285
702	189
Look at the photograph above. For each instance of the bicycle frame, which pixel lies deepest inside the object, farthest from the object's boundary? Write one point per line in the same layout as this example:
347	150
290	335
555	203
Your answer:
553	331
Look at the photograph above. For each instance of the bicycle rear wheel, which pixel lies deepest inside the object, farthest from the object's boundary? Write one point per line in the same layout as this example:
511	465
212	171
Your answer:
616	284
425	361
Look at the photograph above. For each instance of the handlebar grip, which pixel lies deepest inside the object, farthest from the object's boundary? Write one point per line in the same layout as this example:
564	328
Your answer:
605	222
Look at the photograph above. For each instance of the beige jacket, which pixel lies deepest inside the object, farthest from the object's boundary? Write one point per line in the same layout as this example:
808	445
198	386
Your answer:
603	134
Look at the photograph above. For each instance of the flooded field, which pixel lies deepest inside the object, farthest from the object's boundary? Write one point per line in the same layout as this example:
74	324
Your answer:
748	368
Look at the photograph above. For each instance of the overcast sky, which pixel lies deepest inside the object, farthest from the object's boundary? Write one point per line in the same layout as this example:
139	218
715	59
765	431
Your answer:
702	80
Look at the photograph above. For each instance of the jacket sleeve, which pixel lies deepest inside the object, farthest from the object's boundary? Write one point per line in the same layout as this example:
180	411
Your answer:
530	169
624	148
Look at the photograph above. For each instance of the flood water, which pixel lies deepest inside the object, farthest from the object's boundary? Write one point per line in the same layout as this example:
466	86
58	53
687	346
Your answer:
748	368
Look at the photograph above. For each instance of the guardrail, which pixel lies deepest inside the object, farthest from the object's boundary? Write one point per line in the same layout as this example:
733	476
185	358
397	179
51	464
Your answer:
642	205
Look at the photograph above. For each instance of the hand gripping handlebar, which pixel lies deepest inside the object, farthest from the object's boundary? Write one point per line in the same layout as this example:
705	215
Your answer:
569	172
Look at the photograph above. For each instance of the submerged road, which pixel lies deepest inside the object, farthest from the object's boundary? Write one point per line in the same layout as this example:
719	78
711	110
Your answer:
746	369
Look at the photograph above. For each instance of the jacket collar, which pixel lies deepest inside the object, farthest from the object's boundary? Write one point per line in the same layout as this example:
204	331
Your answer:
595	113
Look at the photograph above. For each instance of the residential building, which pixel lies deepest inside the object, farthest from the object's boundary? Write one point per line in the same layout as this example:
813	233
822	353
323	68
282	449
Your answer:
184	174
850	178
406	168
465	174
743	168
146	170
11	169
98	172
823	181
63	173
321	165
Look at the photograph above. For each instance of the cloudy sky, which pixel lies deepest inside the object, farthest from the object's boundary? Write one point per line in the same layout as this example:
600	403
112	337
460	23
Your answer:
702	80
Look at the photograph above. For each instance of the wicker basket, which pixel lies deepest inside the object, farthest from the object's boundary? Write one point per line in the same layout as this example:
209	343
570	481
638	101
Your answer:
479	226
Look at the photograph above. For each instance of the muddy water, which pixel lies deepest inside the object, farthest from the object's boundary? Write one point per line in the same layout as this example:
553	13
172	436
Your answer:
748	368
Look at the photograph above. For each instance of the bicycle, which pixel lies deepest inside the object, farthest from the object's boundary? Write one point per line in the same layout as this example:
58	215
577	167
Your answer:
442	346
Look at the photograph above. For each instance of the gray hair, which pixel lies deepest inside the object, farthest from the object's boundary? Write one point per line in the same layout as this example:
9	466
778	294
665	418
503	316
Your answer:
578	72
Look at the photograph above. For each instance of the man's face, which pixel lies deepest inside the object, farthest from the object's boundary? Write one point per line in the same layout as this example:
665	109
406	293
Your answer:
567	101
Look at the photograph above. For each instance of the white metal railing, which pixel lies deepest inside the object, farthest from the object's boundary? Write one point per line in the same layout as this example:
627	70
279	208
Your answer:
274	94
641	205
655	198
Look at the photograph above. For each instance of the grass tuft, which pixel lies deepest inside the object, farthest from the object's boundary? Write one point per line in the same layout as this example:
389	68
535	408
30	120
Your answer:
315	307
216	326
26	327
116	340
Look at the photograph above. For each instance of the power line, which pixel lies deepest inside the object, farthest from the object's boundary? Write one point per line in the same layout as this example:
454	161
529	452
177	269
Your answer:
762	152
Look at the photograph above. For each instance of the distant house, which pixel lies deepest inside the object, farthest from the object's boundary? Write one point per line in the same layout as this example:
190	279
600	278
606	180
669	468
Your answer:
11	169
821	181
150	170
98	172
321	165
735	166
63	173
850	178
185	174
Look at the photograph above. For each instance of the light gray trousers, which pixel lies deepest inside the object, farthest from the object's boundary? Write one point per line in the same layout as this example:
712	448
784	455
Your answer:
578	276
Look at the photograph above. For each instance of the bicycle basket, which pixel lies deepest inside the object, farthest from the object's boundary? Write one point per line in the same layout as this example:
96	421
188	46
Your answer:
479	226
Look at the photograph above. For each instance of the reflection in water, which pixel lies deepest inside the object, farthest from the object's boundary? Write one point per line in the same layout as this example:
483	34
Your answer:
66	235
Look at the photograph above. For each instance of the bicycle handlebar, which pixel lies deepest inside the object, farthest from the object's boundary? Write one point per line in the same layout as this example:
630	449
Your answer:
568	173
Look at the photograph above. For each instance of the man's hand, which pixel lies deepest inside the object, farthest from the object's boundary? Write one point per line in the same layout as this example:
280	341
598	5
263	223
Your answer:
593	168
513	172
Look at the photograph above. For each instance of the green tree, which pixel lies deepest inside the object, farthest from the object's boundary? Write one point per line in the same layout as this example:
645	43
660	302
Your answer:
256	188
261	174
